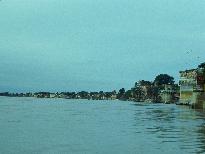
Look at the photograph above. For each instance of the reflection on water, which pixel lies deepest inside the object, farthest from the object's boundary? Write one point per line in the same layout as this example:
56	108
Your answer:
201	138
80	126
183	127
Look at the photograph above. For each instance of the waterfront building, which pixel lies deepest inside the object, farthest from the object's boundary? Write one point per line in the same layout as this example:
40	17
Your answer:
52	95
191	87
113	97
168	93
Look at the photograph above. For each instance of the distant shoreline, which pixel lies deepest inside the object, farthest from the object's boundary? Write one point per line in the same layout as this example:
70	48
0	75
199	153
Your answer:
143	102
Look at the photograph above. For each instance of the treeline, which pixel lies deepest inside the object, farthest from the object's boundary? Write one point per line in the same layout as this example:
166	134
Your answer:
142	91
152	91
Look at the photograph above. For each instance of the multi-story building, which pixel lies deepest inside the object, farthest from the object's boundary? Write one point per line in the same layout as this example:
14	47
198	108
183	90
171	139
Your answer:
168	94
191	86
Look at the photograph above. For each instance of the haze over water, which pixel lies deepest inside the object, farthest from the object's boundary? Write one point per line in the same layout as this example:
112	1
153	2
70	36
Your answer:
45	126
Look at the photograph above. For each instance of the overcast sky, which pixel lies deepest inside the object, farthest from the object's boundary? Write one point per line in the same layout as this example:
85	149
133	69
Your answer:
66	45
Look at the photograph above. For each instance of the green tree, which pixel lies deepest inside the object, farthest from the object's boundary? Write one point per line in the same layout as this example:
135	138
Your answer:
143	83
121	93
138	93
108	94
155	94
83	94
202	65
163	79
128	94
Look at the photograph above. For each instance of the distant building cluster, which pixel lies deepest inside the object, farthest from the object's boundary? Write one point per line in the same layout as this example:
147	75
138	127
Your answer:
67	95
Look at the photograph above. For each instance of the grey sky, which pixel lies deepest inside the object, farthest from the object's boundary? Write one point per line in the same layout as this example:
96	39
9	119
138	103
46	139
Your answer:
65	45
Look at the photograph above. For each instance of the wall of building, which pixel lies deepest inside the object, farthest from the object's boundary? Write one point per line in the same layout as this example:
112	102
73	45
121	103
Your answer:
192	88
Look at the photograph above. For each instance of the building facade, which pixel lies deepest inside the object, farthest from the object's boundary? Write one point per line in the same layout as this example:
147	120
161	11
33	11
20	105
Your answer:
168	94
191	86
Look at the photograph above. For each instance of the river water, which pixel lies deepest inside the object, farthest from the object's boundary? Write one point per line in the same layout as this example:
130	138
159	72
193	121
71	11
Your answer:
60	126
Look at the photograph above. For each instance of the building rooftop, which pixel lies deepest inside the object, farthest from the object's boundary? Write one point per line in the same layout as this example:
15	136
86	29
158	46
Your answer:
187	71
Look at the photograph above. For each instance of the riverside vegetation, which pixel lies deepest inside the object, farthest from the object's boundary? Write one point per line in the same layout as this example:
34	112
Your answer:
142	91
